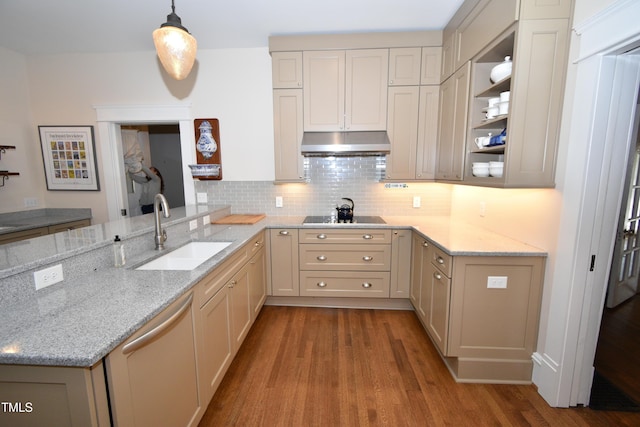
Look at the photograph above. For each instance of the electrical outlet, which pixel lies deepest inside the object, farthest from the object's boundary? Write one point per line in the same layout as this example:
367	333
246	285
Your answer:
48	276
30	202
416	201
193	224
497	282
279	202
206	220
201	197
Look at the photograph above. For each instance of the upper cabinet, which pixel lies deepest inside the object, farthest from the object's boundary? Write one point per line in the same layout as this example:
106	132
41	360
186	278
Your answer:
287	70
345	90
534	34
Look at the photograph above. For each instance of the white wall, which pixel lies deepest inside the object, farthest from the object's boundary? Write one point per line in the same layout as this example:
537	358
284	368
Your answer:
17	130
232	85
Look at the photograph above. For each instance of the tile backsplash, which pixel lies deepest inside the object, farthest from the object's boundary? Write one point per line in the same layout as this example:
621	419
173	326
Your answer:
330	179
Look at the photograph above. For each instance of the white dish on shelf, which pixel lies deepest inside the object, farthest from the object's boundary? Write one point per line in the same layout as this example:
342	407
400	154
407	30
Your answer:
502	70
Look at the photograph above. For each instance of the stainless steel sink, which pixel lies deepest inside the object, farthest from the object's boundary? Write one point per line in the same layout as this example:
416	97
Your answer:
186	257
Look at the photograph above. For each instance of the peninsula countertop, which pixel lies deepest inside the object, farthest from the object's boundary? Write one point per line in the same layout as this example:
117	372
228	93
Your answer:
80	320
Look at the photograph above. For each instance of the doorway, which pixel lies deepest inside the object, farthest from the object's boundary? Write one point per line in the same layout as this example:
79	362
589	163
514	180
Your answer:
156	145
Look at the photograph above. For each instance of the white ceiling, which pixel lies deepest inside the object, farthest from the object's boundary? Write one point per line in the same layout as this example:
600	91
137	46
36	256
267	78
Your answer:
70	26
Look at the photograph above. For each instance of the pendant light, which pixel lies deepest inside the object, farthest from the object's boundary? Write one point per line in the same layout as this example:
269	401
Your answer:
176	48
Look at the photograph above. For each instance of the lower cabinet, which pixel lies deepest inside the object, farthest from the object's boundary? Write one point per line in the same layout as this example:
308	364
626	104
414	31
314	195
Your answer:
283	252
481	312
152	376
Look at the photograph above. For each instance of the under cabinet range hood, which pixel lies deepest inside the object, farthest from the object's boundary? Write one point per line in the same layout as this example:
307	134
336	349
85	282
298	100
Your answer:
369	143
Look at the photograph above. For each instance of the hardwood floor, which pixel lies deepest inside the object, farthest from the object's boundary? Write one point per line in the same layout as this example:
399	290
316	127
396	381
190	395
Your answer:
619	347
350	367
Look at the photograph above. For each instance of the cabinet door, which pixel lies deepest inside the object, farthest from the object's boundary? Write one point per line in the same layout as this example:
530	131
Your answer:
215	346
435	295
324	76
404	66
288	130
427	132
535	111
418	246
286	70
400	264
285	280
448	54
240	307
152	376
257	283
544	9
430	68
454	101
403	131
366	89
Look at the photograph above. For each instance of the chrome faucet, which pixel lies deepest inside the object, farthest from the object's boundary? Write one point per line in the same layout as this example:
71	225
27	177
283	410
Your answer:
161	234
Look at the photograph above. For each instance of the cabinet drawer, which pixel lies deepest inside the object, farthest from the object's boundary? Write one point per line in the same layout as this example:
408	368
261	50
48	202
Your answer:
351	257
441	260
256	244
344	284
353	235
208	286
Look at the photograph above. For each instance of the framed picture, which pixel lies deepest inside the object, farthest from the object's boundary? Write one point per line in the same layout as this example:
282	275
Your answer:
68	154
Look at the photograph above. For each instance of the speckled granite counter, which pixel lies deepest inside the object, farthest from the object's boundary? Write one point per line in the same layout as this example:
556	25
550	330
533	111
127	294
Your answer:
26	220
97	306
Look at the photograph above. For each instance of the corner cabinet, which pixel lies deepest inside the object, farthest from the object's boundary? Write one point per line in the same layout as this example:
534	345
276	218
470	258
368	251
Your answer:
481	312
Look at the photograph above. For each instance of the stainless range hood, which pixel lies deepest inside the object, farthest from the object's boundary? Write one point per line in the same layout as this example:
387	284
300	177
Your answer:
369	143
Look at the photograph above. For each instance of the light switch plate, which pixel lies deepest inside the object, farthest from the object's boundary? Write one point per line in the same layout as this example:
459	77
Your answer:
206	220
497	282
416	201
279	202
193	224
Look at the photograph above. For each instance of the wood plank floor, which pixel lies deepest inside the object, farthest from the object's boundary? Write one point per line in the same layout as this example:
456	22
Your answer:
619	347
350	367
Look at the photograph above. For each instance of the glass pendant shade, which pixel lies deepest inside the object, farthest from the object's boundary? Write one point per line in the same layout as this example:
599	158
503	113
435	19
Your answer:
176	48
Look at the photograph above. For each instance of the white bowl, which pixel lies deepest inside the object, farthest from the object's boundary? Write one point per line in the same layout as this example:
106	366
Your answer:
480	172
497	172
504	96
480	169
502	70
503	107
493	101
496	164
492	112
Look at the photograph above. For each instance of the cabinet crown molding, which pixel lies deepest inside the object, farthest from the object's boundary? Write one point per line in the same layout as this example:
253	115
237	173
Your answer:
355	41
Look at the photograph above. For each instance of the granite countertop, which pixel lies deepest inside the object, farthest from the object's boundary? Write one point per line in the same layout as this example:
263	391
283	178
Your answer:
79	321
27	220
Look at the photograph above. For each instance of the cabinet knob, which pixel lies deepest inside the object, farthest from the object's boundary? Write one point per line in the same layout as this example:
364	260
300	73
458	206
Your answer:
284	233
321	236
425	244
440	260
437	276
321	284
232	283
367	237
321	258
367	258
366	285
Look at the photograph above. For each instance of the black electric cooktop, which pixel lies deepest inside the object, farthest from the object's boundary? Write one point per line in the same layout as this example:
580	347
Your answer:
332	220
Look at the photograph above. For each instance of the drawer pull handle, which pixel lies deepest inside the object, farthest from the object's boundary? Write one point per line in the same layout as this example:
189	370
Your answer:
321	236
440	260
367	237
232	283
256	244
321	284
321	258
366	285
284	233
425	244
437	276
367	258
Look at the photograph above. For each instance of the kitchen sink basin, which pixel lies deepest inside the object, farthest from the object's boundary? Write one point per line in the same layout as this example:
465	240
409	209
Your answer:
186	257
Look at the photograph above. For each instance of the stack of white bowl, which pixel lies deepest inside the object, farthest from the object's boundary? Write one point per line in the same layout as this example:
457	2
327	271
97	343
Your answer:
496	169
503	103
480	169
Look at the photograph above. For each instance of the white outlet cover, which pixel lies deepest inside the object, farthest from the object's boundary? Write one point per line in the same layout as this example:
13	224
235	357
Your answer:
48	276
206	220
497	282
416	201
201	197
193	224
279	202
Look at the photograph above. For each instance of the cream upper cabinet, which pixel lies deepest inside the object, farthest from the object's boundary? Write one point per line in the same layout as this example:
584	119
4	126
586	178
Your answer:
345	90
402	131
288	130
427	132
286	70
454	100
431	65
404	66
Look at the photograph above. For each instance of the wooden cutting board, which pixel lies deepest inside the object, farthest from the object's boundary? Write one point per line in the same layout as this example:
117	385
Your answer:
239	219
